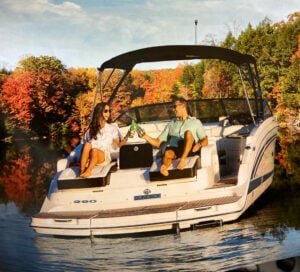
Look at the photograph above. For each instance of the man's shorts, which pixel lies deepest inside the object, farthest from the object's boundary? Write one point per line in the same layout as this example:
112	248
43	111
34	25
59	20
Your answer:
178	150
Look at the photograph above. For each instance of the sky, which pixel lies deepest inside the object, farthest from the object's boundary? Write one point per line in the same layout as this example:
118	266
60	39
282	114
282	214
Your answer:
85	33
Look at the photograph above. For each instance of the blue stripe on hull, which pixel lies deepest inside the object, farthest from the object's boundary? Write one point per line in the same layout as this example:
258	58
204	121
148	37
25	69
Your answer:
258	181
261	154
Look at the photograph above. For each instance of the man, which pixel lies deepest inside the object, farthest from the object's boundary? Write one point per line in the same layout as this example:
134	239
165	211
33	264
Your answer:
184	135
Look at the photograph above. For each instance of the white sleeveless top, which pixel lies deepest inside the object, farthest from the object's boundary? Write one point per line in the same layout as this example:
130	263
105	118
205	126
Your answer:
105	137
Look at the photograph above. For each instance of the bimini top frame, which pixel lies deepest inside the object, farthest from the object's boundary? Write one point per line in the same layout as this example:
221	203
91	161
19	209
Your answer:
128	60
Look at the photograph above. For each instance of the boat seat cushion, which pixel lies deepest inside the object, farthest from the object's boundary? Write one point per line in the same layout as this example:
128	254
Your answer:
69	178
191	166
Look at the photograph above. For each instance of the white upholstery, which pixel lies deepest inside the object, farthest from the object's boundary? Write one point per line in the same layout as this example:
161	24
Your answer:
98	171
210	170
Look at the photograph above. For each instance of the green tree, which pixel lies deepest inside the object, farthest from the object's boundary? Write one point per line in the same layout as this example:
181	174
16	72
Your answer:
286	37
229	41
259	43
188	75
286	93
199	79
272	46
38	64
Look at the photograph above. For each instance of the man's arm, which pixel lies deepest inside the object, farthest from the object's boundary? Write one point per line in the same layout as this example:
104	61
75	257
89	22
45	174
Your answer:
201	143
156	142
153	141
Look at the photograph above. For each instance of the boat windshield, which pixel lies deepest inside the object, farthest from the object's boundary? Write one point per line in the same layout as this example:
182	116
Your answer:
207	110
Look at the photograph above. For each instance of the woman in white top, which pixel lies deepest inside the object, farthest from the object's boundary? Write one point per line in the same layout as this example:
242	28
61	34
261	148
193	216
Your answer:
101	136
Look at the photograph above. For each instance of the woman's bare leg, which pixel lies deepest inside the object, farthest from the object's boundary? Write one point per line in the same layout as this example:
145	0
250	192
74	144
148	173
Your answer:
97	156
85	156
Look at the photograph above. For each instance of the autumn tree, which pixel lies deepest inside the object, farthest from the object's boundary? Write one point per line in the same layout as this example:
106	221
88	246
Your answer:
40	95
85	100
83	82
218	80
17	99
162	84
4	73
286	94
138	93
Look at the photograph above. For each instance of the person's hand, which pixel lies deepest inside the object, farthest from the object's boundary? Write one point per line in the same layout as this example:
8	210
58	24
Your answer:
130	133
141	132
196	147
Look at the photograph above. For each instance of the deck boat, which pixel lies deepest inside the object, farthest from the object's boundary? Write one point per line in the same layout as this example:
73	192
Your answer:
130	196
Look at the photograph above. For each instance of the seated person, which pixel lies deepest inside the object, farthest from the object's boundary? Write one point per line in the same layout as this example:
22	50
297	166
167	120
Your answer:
101	135
184	135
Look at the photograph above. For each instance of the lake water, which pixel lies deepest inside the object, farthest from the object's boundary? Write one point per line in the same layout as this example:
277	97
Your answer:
270	230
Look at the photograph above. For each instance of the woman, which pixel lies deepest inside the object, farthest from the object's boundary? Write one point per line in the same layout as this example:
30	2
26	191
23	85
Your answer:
101	136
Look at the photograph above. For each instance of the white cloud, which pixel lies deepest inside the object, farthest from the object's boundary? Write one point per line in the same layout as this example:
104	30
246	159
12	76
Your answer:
84	33
39	8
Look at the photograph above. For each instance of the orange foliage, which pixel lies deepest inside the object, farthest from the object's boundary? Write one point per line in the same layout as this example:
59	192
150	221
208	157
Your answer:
275	94
160	87
17	101
51	95
138	77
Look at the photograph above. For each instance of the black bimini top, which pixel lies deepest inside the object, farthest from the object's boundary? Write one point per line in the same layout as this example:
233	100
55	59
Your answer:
128	60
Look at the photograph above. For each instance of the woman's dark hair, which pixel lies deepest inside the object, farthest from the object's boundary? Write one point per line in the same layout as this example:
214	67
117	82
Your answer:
97	115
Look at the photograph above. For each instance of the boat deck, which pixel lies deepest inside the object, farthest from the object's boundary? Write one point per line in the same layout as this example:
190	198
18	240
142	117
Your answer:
144	210
226	182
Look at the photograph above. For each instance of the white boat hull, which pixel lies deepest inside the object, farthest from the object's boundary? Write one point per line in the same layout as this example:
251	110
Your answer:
132	204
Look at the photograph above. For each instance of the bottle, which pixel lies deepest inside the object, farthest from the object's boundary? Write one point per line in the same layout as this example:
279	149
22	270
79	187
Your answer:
132	129
140	131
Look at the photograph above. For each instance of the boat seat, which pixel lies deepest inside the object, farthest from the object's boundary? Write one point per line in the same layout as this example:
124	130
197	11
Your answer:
209	173
100	177
190	169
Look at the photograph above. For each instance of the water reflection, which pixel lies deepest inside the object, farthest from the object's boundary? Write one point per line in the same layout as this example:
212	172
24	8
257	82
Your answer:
214	249
27	169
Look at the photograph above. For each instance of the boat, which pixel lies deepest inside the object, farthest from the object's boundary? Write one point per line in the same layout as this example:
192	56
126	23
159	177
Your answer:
129	196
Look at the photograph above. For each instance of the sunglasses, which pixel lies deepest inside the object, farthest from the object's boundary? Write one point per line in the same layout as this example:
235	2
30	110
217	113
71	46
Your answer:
175	106
106	111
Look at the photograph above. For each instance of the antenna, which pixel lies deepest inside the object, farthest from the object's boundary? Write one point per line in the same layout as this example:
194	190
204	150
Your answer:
196	23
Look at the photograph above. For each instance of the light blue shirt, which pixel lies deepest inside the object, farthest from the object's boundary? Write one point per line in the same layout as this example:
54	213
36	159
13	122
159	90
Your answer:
174	131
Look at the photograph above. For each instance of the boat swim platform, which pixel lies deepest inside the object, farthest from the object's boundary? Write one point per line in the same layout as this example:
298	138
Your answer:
143	210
